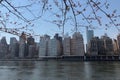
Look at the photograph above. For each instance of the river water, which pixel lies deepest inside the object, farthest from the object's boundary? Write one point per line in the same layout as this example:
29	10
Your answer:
59	70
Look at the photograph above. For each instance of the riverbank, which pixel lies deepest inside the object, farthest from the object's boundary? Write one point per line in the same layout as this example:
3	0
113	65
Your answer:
69	58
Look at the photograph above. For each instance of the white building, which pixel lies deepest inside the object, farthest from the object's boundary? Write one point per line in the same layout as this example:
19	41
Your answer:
43	46
66	46
54	48
22	47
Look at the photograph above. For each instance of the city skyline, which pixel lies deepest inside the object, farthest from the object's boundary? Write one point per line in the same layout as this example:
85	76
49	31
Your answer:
45	27
72	48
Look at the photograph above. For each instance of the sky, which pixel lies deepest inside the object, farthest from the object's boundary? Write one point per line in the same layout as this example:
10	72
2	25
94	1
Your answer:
42	27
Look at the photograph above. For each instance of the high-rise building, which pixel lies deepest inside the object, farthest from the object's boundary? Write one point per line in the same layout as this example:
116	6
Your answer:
54	47
14	47
3	48
22	48
66	46
115	47
96	47
93	46
90	35
59	38
108	45
101	48
30	44
43	46
77	44
118	42
32	51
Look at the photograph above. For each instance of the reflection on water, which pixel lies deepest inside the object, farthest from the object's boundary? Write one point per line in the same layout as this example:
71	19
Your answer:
59	70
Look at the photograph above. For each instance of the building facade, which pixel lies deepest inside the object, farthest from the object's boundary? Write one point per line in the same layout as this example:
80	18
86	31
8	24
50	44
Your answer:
108	45
14	48
77	44
4	48
54	48
43	46
93	47
67	46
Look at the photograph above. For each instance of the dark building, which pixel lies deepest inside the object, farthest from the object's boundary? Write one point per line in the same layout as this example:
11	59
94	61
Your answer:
118	42
3	48
30	40
101	48
59	38
22	46
13	48
93	46
108	45
31	51
115	45
31	47
96	47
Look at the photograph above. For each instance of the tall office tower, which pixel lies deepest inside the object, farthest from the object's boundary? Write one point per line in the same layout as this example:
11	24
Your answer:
37	49
3	48
96	47
118	42
54	48
90	35
108	45
30	42
43	46
101	48
93	47
59	38
77	45
14	47
66	46
115	46
32	51
22	46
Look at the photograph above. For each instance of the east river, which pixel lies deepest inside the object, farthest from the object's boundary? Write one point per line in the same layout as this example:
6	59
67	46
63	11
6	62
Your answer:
59	70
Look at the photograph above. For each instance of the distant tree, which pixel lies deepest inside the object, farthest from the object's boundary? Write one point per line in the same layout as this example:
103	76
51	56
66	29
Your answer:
61	12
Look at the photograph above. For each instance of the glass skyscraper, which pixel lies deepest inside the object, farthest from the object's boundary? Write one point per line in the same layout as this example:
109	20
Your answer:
90	35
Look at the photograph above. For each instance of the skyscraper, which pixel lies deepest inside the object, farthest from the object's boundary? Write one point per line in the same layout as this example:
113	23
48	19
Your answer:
14	47
43	45
67	46
22	46
54	47
93	46
3	48
118	42
115	45
77	44
30	44
90	35
108	45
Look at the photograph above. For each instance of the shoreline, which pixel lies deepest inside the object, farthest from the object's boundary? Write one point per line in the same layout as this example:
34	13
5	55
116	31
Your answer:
69	58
